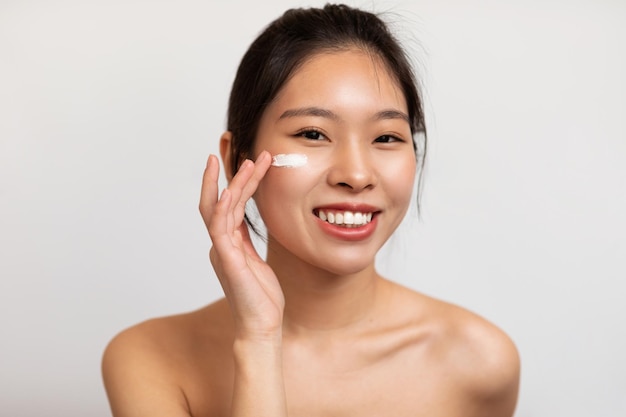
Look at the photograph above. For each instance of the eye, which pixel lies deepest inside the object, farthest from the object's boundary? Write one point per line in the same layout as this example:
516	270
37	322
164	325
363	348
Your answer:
387	139
311	134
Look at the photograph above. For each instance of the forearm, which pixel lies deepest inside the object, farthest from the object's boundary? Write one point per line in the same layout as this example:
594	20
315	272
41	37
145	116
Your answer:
259	389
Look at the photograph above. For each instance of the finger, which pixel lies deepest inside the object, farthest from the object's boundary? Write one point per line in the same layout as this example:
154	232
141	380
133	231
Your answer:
209	190
227	214
261	167
228	252
247	244
221	227
238	182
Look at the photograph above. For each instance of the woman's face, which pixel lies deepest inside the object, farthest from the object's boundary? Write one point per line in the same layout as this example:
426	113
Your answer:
347	115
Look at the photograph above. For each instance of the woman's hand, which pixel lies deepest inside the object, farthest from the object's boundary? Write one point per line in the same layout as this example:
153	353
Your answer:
251	287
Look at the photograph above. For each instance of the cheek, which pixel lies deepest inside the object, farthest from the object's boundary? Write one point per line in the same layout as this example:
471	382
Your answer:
281	189
400	178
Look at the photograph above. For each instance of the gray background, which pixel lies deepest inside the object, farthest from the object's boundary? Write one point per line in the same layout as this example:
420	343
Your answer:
108	110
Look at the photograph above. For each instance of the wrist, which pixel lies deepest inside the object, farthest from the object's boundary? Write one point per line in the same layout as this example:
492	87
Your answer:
257	360
259	388
266	343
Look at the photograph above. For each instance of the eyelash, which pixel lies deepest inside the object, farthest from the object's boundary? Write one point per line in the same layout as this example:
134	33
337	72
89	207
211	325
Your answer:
305	132
391	139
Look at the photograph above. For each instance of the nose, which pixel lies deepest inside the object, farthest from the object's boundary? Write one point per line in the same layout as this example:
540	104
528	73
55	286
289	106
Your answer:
352	168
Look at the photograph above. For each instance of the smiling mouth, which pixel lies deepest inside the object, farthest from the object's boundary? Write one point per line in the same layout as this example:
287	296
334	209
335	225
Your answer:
344	218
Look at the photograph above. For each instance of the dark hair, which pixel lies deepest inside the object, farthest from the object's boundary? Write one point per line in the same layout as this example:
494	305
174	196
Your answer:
288	42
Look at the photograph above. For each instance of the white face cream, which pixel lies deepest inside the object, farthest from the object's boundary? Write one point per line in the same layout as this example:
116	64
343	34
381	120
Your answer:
289	160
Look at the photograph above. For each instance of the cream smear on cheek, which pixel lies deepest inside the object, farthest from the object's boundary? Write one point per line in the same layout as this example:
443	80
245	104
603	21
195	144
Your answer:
289	160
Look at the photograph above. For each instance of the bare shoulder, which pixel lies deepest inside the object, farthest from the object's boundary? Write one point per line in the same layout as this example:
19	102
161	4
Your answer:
143	366
485	357
482	358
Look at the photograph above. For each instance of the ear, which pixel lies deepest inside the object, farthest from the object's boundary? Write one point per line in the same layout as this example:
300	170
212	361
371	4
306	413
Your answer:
225	146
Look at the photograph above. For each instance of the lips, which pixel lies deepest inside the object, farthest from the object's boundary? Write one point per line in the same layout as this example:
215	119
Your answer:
348	221
345	218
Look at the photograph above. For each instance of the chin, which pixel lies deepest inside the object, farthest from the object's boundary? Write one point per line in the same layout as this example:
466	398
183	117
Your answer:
342	265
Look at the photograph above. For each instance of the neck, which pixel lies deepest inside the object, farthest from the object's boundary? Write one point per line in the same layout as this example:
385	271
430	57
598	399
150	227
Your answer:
319	301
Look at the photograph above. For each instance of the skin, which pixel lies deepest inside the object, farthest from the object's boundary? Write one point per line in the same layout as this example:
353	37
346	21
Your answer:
314	330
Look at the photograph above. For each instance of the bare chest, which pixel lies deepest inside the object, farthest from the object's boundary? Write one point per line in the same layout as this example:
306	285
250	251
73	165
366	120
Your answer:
389	388
398	387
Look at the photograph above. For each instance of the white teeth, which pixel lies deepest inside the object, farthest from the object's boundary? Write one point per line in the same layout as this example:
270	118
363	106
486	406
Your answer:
345	218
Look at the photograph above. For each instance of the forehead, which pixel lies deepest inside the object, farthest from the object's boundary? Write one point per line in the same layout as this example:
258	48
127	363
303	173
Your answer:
348	79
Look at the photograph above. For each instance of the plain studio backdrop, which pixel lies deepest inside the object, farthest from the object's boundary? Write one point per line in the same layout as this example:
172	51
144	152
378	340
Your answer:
108	110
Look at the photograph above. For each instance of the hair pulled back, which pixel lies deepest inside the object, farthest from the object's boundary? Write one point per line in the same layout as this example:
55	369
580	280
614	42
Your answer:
288	42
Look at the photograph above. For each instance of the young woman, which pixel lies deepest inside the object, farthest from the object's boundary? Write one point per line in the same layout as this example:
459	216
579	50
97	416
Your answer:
314	330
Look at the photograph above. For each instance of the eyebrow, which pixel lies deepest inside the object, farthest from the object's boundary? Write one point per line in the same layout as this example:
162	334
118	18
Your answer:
309	111
392	114
327	114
